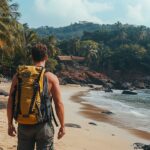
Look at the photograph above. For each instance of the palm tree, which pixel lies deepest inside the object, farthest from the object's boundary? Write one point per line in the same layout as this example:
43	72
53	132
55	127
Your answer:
8	17
8	31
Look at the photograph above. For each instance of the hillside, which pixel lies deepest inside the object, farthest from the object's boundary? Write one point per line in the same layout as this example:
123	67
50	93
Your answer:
68	32
77	29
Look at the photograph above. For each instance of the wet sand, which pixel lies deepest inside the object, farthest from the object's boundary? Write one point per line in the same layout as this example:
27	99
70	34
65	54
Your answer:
100	114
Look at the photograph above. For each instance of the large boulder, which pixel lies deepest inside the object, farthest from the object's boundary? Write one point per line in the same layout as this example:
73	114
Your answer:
139	84
129	92
126	85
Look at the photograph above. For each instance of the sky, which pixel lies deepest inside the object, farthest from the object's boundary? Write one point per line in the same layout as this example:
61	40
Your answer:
59	13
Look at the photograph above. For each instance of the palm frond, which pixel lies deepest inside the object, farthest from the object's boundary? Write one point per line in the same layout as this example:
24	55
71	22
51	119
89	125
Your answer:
5	20
3	27
5	38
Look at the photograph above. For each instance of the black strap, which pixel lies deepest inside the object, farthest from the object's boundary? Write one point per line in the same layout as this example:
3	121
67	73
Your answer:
35	90
53	116
51	107
19	95
17	109
39	112
14	100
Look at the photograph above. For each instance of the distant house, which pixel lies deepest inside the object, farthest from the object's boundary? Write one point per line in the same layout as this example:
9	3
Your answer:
74	61
71	58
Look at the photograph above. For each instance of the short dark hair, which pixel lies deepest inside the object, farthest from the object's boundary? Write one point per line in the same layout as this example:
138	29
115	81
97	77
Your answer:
39	52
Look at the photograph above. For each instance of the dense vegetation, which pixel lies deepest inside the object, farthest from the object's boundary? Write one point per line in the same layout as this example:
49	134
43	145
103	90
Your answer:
118	47
107	48
68	32
14	38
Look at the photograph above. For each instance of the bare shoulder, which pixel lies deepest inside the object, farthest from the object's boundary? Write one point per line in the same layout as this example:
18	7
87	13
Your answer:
52	78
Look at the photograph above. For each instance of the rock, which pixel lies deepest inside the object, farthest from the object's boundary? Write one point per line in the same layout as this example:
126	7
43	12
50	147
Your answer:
109	84
147	78
123	85
126	85
97	89
129	92
92	123
107	112
118	85
139	84
108	90
90	85
72	125
141	146
147	86
81	76
2	92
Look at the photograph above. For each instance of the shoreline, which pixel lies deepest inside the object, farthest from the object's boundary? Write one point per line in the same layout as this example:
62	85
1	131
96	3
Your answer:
103	136
97	113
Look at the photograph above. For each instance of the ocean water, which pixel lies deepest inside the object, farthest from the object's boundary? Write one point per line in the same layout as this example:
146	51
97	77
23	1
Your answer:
131	111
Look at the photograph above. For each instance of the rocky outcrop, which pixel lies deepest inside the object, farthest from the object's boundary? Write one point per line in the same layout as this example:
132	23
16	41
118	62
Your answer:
139	84
129	92
84	77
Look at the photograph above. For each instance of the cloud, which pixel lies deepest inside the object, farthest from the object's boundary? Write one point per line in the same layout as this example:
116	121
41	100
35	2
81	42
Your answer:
138	12
63	12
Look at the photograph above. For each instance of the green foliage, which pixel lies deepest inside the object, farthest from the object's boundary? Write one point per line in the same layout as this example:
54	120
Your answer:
68	32
51	64
105	47
112	47
70	47
128	57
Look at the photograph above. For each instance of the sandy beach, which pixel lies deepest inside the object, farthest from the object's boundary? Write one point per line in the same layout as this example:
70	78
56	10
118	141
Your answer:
102	136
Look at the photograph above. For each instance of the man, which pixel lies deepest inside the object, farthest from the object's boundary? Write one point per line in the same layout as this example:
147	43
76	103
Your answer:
42	133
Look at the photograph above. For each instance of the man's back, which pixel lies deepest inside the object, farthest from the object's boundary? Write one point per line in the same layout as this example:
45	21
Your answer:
41	133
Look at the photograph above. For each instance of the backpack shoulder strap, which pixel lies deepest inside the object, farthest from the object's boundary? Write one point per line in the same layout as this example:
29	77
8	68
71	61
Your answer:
17	91
50	99
35	90
53	115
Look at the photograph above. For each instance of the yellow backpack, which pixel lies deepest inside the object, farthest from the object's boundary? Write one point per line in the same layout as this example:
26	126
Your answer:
32	103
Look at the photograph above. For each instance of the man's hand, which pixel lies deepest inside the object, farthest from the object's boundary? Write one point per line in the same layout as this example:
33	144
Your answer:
61	132
11	130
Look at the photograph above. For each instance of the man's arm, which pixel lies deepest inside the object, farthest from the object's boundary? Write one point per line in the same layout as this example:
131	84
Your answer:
11	128
59	107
